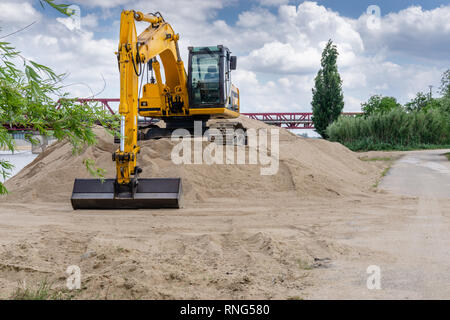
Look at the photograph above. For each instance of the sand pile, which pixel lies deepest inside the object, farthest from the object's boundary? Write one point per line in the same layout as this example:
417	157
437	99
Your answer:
241	235
307	168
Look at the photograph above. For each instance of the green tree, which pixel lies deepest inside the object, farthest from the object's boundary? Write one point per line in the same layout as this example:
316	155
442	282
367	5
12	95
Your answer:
28	97
444	104
445	84
420	102
379	104
328	99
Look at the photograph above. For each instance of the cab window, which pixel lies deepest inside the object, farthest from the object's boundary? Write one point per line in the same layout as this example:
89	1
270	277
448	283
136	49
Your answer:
205	78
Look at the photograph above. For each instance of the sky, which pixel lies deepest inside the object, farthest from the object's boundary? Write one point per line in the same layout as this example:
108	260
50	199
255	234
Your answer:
397	48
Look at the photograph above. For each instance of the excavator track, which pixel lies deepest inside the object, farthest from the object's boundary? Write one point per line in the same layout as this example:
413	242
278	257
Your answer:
233	133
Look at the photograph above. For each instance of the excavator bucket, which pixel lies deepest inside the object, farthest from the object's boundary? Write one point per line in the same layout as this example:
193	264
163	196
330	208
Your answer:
150	194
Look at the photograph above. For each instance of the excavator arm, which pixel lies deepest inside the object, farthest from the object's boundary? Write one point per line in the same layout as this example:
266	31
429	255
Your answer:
128	191
158	39
181	100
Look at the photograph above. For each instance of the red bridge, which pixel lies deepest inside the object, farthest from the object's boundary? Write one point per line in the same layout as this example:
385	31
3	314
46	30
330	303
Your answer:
288	120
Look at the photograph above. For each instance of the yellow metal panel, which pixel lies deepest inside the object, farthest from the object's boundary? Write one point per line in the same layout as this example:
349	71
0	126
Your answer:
150	96
214	112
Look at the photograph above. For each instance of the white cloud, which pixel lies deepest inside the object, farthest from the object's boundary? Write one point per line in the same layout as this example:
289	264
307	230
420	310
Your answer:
318	24
77	53
289	54
17	12
299	38
273	2
278	51
285	82
89	21
276	57
412	32
352	104
293	49
102	3
353	79
273	95
256	18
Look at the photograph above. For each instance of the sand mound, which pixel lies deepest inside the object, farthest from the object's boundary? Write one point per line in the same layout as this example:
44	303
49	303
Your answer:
307	168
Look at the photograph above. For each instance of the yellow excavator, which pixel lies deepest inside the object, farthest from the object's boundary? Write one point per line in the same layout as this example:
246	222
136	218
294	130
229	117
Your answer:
204	92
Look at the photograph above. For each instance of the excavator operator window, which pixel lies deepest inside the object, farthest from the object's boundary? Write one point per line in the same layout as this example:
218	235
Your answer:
205	78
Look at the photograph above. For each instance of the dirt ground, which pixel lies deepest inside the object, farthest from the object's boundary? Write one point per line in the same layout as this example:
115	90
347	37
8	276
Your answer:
308	232
223	249
406	235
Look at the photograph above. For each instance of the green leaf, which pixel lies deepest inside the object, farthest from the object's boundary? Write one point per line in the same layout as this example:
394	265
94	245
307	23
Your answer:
93	170
28	98
62	8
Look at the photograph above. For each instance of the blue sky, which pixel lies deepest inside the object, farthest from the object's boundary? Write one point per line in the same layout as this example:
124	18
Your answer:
348	8
354	8
278	43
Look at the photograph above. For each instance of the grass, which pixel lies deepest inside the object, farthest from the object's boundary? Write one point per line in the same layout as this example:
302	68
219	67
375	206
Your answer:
385	171
295	298
377	159
383	174
43	291
304	265
357	146
397	130
447	155
389	161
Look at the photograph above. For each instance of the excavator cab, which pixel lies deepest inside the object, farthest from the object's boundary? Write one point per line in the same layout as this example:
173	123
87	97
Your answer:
209	78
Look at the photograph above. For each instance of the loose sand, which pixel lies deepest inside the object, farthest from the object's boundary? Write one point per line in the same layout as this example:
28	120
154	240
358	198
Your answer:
238	235
308	168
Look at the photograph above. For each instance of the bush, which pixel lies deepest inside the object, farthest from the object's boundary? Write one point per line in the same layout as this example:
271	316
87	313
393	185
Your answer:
393	130
379	104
